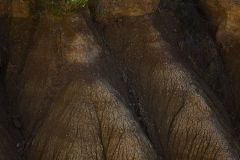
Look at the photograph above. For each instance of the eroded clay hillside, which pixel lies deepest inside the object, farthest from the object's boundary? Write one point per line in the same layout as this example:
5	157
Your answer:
119	80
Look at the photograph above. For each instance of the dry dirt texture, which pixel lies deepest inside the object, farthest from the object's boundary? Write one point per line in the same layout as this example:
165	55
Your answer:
119	80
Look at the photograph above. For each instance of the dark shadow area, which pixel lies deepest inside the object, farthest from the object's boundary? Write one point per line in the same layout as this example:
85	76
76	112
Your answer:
185	27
